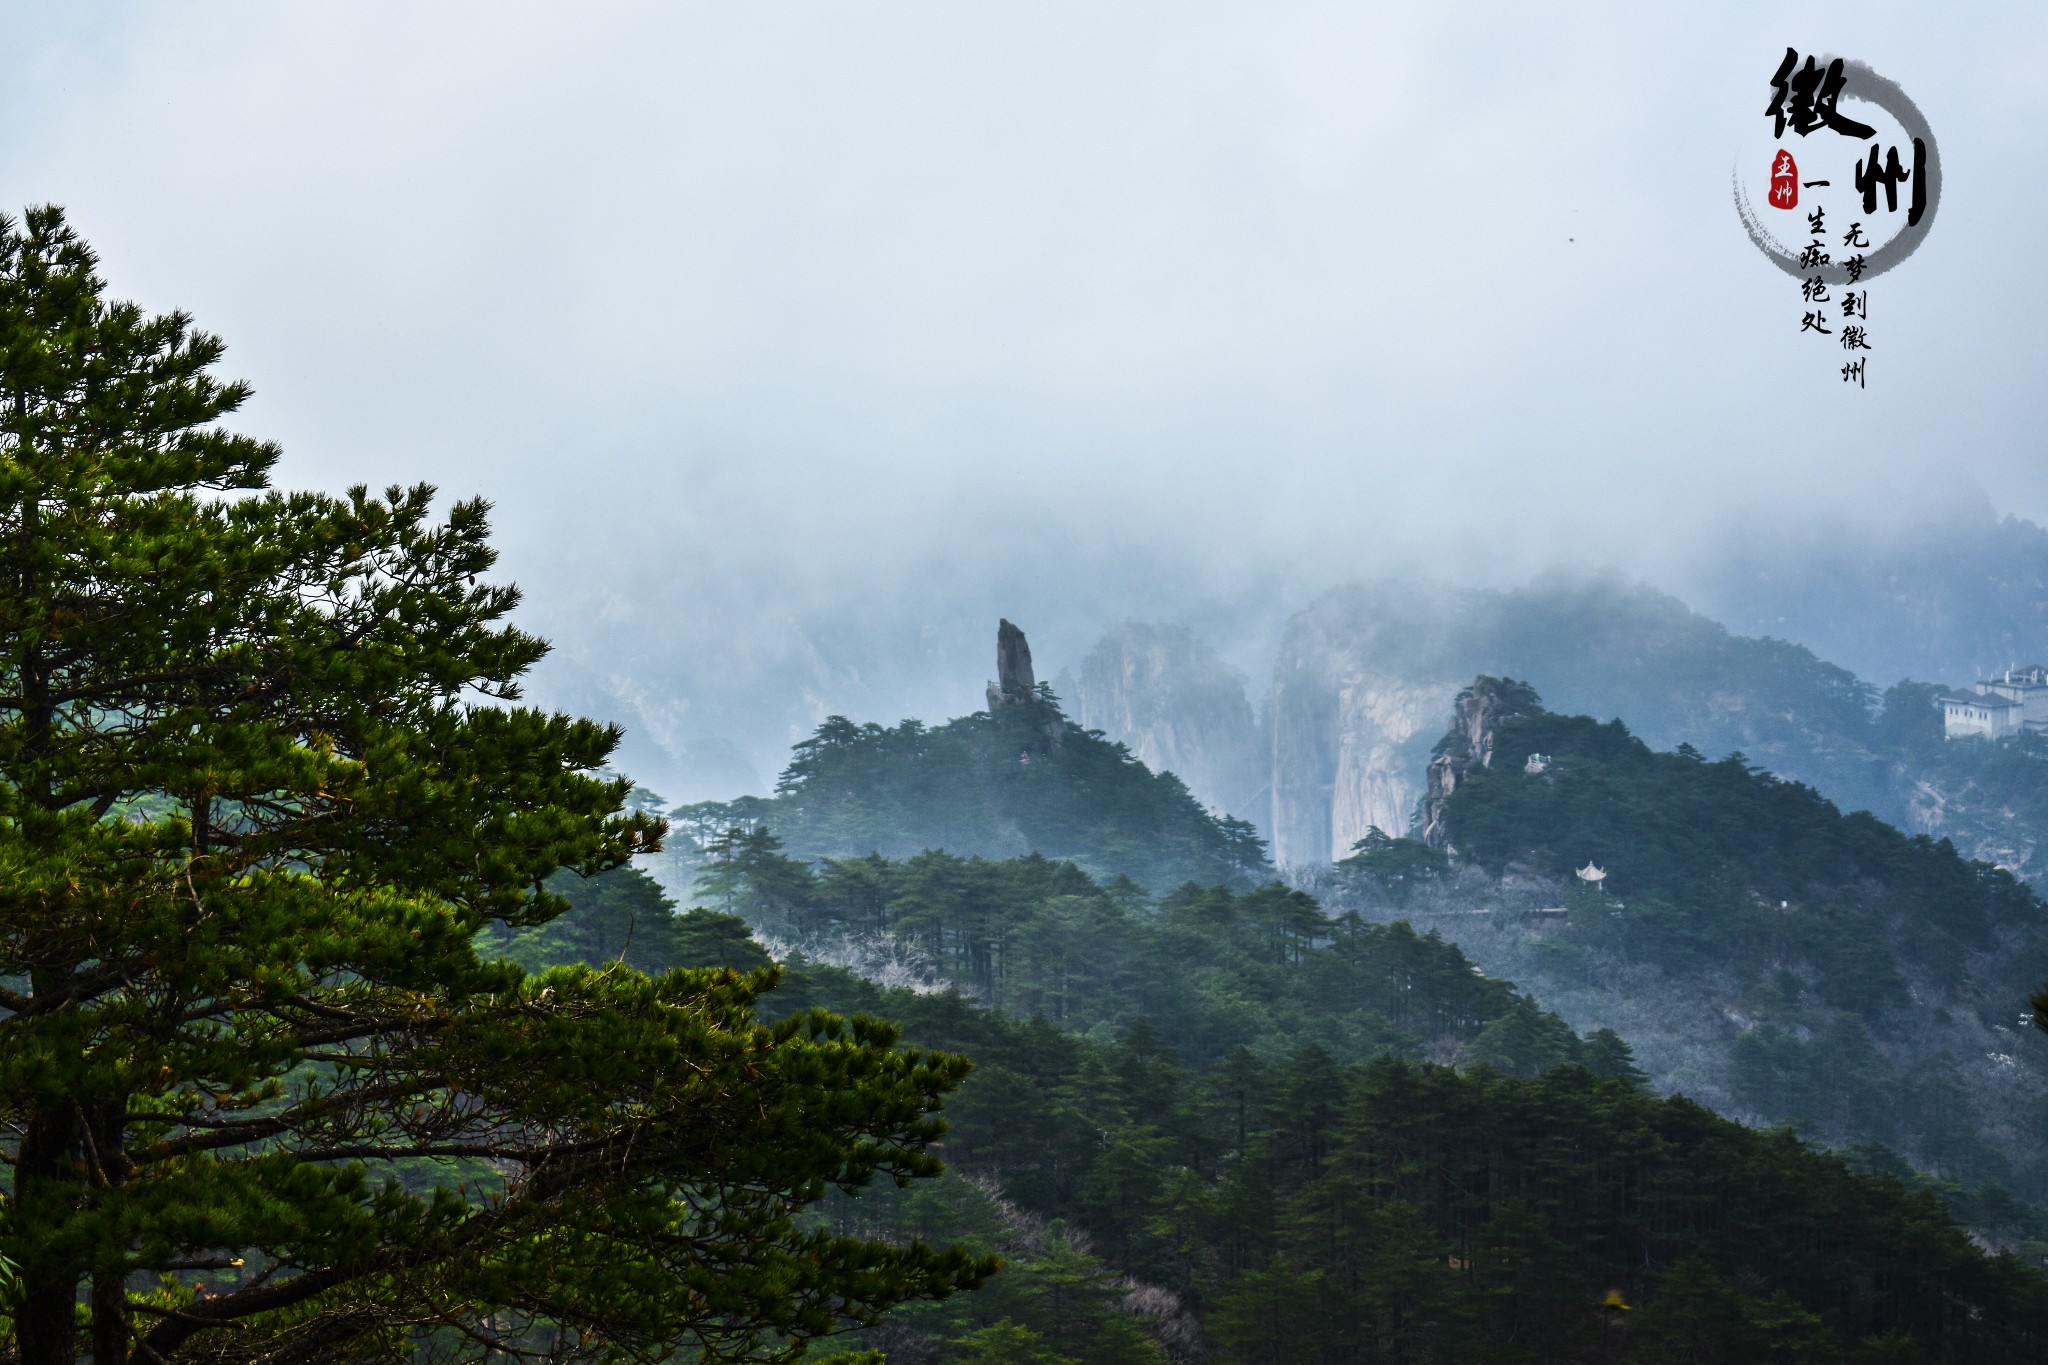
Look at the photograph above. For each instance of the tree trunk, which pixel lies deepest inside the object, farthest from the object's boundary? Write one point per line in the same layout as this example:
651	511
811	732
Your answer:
44	1177
45	1327
109	1318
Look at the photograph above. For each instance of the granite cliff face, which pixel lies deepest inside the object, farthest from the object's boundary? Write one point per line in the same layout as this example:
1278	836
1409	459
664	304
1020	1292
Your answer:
1181	709
1349	741
1366	673
1016	686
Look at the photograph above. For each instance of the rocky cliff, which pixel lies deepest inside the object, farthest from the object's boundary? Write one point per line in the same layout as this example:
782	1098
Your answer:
1181	709
1352	720
1366	673
1015	684
1015	689
1475	718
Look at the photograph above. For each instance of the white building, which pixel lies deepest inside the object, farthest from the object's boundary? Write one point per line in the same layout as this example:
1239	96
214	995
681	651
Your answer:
2014	701
2028	686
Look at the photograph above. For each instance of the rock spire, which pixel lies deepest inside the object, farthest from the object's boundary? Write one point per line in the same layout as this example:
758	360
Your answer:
1015	683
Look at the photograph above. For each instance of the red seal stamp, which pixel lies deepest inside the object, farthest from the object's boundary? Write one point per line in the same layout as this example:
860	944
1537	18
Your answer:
1784	181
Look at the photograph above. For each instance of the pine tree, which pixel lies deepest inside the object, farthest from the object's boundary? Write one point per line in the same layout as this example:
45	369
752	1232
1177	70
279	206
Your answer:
1608	1054
263	784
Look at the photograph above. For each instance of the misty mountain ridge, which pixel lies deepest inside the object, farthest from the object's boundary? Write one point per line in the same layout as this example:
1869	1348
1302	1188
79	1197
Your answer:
715	680
1952	596
1864	1007
1366	672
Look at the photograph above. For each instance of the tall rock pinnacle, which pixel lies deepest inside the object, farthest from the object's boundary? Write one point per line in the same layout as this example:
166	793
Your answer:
1015	683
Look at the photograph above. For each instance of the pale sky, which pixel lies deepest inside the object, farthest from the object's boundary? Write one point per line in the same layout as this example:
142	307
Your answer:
764	325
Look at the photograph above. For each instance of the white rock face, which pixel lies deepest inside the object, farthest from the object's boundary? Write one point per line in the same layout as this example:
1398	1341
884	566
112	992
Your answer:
1182	710
1366	677
1361	691
1379	722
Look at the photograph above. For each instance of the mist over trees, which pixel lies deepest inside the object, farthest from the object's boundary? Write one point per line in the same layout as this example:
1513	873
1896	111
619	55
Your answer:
997	783
1761	950
1183	1142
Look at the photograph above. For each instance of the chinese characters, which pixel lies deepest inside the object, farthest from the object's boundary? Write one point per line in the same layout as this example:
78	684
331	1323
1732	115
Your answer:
1805	100
1844	199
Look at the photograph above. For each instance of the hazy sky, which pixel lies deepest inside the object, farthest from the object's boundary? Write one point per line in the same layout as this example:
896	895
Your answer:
743	315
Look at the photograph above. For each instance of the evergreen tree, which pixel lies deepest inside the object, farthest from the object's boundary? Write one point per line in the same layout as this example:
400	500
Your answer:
1393	867
1606	1053
263	784
1526	1041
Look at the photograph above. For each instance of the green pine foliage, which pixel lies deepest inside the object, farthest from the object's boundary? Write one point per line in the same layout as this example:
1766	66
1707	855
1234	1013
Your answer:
1846	952
624	917
997	784
1292	1205
1300	1208
1720	860
265	786
1393	868
1212	968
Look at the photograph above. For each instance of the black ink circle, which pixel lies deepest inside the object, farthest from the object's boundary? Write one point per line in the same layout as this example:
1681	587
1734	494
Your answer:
1871	88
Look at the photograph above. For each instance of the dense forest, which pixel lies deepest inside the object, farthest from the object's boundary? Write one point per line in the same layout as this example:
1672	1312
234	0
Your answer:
1160	1189
1001	783
1211	968
1761	949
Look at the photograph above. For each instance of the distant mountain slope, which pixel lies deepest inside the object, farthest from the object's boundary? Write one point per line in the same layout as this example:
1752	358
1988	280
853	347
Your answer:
1212	970
1951	596
1760	950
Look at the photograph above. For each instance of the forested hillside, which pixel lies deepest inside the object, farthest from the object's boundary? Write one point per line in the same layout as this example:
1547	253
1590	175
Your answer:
1989	797
1210	968
1000	783
1760	949
1367	672
1162	1192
